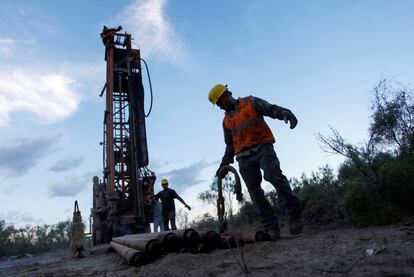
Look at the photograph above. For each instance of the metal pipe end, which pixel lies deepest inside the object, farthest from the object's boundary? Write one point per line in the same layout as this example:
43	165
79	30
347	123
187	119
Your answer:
199	249
191	237
234	242
171	242
212	239
154	247
259	236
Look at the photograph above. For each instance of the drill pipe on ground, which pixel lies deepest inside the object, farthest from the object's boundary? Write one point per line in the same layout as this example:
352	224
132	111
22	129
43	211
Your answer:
183	249
252	237
262	236
199	249
150	246
224	244
189	236
169	240
230	242
211	239
131	256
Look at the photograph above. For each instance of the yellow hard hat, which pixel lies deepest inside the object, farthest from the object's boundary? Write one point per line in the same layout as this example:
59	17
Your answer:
216	92
164	181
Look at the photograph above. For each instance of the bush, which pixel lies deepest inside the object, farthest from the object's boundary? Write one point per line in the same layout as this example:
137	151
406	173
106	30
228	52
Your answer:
204	222
319	197
398	183
246	215
365	209
33	240
383	198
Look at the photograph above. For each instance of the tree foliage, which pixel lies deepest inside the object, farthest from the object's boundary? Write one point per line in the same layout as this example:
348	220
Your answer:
33	240
377	179
210	196
392	124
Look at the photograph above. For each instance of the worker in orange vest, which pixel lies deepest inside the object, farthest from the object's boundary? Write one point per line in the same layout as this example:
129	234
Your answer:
249	138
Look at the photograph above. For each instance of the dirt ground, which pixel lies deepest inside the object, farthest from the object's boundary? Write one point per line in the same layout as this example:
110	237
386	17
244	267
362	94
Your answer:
345	251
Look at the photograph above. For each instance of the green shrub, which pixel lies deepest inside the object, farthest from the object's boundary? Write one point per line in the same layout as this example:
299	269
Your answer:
364	208
205	222
319	196
398	183
246	215
33	240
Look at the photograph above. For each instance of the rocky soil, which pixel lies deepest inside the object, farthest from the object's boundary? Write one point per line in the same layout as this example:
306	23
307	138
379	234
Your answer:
329	251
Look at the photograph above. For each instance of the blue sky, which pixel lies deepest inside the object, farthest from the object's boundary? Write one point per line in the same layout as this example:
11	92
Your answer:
320	59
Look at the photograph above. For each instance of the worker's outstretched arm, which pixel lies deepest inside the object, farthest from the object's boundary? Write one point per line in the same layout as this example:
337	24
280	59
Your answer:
274	111
182	201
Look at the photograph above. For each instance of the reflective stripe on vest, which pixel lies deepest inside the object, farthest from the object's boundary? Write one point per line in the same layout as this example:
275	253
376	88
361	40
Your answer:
248	128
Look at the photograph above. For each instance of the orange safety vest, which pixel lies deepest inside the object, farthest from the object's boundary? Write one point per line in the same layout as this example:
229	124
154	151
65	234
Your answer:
248	128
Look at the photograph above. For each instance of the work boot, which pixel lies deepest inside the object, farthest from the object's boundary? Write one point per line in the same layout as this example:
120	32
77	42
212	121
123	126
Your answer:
295	224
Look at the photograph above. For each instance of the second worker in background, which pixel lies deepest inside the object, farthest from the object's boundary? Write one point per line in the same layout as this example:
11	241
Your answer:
167	197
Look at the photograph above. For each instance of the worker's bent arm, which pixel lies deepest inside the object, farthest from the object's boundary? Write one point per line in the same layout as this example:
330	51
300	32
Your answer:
265	108
228	157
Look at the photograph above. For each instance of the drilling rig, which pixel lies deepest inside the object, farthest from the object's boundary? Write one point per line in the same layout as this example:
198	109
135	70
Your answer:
122	201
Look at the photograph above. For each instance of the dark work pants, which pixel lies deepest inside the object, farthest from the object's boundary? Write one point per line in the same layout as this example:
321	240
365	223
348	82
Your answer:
169	217
266	159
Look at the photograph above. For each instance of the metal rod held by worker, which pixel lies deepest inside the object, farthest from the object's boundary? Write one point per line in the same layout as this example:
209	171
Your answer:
220	198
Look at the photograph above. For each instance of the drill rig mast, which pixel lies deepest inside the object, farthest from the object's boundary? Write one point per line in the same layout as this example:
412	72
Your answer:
122	203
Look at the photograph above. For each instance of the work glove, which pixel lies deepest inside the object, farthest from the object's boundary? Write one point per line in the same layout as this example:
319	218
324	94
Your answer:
220	167
289	116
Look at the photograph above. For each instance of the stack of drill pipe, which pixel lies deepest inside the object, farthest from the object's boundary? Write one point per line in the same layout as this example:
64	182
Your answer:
131	256
141	249
169	240
150	246
189	237
210	239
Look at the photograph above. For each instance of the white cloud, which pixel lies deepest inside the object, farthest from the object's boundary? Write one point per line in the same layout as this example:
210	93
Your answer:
185	177
49	96
66	188
153	33
19	155
9	47
6	47
71	185
18	217
68	163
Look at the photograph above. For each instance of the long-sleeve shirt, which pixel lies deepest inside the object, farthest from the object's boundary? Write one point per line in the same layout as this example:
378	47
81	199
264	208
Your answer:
167	197
262	107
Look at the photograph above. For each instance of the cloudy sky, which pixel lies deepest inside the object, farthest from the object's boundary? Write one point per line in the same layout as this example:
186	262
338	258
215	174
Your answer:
318	58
